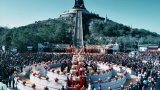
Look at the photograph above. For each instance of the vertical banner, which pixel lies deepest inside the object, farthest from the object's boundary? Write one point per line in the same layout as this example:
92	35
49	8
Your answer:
76	30
81	29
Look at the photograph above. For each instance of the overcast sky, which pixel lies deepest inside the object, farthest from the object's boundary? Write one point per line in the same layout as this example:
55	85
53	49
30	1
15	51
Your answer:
136	13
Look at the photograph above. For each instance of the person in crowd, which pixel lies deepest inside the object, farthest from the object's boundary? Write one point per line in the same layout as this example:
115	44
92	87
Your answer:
62	88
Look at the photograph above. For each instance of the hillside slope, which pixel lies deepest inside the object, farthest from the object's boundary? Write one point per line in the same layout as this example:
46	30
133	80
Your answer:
60	31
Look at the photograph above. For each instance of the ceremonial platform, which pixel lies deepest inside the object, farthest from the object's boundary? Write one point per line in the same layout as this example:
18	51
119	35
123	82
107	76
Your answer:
82	73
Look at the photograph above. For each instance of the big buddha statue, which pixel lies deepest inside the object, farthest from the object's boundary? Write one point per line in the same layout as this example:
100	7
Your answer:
79	4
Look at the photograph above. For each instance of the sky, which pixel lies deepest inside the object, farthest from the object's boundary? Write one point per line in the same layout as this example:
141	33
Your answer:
136	13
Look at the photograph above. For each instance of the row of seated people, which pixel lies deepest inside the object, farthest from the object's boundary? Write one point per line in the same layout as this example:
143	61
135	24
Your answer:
72	50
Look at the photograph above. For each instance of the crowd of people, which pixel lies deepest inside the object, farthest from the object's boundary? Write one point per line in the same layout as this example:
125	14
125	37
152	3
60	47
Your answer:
14	62
148	71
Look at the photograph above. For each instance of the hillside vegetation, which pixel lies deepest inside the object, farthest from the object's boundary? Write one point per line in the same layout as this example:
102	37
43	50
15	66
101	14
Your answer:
127	37
59	31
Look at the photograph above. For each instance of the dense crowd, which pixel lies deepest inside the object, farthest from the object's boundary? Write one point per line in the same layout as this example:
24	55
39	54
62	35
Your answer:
145	65
11	62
